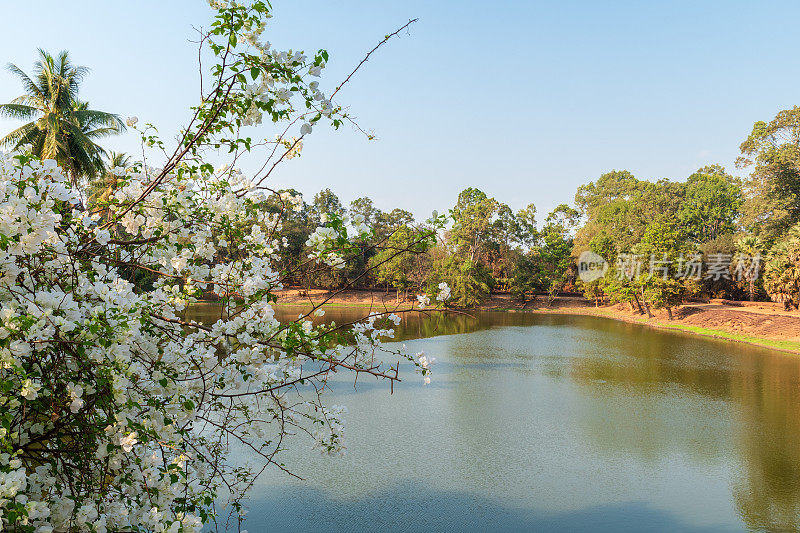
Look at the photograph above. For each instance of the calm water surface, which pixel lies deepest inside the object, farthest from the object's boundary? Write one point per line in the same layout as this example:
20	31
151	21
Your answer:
554	423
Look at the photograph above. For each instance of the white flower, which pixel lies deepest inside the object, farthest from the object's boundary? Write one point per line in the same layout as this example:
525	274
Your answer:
444	292
30	390
423	300
75	392
394	318
128	441
102	236
319	312
131	122
424	361
305	129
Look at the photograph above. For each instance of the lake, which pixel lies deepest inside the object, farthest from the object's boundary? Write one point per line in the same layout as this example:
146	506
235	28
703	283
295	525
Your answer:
553	423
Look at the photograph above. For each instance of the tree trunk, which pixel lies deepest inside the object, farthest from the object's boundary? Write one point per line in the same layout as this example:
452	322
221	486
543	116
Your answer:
752	289
669	312
638	304
646	306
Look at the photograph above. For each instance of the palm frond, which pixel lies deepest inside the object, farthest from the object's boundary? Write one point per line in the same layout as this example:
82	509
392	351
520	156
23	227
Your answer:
90	117
118	159
30	101
82	142
18	111
19	136
29	85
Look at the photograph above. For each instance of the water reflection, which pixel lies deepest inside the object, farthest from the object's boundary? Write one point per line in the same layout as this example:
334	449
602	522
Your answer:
413	325
445	511
552	422
714	402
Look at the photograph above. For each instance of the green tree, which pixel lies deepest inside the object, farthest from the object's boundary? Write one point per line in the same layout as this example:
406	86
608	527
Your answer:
662	243
327	203
548	265
621	206
398	268
60	127
100	187
602	245
386	223
773	189
619	288
365	208
563	217
711	204
472	216
470	282
499	248
526	278
526	225
296	226
662	292
721	247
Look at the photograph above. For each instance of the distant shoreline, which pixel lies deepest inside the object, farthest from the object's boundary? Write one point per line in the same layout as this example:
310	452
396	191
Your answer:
763	324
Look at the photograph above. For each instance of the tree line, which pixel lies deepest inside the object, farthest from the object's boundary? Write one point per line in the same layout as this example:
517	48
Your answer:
750	226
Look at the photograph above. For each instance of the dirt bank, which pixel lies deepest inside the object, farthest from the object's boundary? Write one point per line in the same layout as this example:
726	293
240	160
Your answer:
760	323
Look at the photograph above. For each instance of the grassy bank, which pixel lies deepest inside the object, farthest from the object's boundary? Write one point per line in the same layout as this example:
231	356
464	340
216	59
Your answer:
785	345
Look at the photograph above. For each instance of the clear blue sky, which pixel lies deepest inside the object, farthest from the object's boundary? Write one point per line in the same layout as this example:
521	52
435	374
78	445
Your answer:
525	100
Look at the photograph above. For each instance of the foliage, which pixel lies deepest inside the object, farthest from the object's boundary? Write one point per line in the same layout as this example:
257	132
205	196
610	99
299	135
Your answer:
723	246
662	292
782	271
469	281
402	271
61	127
748	256
772	150
472	222
620	288
711	204
620	206
594	290
525	278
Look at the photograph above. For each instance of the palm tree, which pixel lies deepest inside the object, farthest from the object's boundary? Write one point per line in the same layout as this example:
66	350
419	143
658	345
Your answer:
747	258
60	127
782	272
103	185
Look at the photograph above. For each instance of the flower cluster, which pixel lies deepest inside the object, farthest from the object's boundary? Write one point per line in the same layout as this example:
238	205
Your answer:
115	409
117	413
331	243
443	295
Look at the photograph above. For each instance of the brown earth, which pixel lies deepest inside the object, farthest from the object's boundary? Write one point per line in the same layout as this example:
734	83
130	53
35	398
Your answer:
744	321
